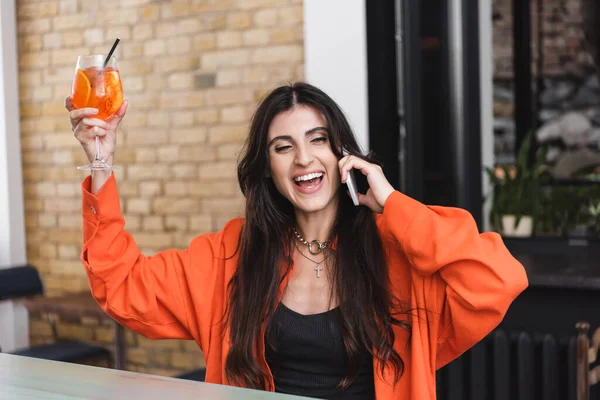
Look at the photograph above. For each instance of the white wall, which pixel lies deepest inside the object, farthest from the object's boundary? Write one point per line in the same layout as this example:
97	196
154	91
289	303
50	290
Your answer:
14	327
335	52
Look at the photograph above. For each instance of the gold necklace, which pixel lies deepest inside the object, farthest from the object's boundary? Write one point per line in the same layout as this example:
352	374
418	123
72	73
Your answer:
318	268
319	246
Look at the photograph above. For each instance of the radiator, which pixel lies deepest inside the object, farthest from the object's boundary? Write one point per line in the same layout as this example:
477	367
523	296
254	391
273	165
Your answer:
513	366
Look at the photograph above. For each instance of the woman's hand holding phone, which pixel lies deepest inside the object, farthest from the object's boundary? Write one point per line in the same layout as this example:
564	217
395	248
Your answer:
379	187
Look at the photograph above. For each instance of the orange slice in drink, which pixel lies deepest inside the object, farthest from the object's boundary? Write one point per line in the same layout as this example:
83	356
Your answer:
114	92
83	90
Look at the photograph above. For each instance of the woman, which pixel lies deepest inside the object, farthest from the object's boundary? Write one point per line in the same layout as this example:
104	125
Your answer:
307	294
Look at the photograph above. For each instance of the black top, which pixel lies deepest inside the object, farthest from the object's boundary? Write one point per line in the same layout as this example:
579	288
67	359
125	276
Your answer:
307	357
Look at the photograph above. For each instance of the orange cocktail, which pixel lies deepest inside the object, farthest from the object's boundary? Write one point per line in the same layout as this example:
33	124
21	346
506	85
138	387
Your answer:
97	84
98	88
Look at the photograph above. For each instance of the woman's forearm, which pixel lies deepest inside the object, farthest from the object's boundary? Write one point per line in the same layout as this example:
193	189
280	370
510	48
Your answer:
99	177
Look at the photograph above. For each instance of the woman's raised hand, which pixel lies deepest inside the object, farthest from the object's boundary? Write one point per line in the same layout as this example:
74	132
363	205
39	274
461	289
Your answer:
379	187
86	128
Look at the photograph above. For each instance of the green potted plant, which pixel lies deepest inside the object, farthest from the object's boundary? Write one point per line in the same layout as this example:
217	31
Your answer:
568	210
558	206
516	189
594	211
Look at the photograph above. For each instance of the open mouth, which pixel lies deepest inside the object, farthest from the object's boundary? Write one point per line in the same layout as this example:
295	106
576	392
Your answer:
309	180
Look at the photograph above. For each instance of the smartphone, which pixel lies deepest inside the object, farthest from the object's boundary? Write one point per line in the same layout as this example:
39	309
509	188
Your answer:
352	187
351	183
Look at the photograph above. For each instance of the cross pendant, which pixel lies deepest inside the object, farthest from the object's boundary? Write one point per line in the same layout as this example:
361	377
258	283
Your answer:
318	269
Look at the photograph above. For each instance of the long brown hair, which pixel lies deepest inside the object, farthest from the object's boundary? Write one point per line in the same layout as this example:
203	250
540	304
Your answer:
359	272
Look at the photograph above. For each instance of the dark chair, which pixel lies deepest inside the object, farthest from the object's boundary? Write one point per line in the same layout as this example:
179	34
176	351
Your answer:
587	354
21	282
197	375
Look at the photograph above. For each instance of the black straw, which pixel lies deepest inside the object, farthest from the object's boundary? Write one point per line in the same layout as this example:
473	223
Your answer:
114	46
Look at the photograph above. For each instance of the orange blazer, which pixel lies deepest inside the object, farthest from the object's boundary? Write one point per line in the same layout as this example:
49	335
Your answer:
438	261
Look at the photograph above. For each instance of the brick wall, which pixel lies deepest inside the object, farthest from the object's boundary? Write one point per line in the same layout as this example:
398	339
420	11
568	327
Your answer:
193	72
566	64
562	38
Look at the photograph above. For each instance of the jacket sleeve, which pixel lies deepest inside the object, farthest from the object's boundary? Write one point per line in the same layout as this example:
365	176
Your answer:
150	295
468	278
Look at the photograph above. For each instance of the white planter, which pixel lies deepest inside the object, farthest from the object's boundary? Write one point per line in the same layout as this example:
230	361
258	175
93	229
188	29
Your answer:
524	229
